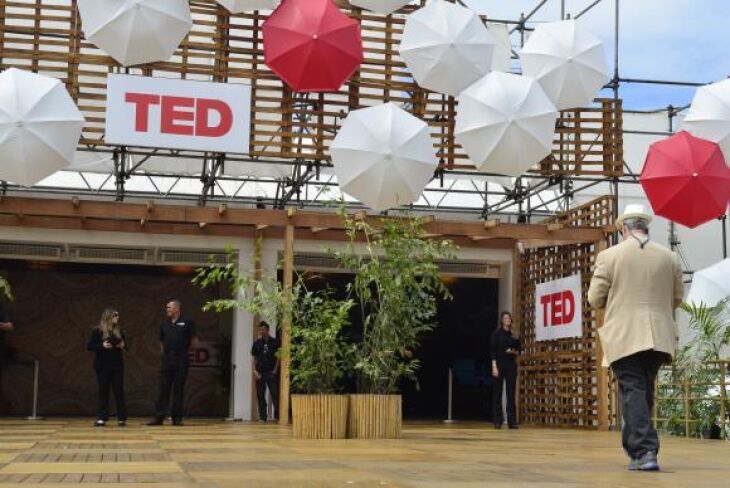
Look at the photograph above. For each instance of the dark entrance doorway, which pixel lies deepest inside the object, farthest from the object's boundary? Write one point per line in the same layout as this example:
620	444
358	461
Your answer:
58	303
460	341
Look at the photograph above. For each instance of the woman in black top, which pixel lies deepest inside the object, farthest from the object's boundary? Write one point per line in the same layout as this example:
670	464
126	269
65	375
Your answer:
504	349
108	343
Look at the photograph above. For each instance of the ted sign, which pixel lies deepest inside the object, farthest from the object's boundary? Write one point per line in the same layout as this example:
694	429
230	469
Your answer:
558	309
177	114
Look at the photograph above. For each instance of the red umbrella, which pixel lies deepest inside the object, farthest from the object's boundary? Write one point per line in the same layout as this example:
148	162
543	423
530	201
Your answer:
686	179
312	45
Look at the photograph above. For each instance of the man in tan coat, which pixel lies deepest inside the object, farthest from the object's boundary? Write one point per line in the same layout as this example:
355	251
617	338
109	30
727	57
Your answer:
639	284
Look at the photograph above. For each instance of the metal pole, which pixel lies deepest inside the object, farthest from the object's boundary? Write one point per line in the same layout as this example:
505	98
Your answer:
562	9
36	374
616	79
449	419
723	221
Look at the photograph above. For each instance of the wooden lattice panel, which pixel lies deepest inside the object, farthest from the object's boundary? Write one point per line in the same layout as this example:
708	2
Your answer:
46	36
559	379
596	213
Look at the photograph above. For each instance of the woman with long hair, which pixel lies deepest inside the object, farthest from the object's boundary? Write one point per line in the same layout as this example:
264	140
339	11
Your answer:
504	349
108	343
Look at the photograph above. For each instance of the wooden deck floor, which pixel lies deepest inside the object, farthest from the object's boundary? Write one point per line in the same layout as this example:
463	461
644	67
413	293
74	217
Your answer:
217	454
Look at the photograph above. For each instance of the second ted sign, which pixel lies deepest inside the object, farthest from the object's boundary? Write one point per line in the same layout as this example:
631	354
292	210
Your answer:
178	114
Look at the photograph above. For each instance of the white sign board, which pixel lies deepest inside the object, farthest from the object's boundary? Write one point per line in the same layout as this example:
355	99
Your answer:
559	309
178	114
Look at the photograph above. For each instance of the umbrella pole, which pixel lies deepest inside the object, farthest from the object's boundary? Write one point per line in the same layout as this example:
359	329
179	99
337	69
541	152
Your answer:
723	221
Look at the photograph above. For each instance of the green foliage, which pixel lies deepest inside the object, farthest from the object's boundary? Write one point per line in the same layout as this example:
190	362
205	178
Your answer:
695	373
5	289
319	357
397	284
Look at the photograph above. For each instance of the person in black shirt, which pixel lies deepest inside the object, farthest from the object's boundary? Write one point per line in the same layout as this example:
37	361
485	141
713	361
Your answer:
108	342
177	337
504	349
266	369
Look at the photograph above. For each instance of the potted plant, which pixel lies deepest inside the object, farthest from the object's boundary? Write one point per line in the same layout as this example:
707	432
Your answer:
319	357
396	285
696	374
319	360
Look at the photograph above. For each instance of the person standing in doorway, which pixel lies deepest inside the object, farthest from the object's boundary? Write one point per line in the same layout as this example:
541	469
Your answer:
639	284
178	336
108	342
504	349
266	370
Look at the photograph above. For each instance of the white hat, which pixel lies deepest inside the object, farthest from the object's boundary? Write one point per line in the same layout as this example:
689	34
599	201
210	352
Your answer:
633	211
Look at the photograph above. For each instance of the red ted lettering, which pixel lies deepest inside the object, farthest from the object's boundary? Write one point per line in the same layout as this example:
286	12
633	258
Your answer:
199	356
558	308
182	116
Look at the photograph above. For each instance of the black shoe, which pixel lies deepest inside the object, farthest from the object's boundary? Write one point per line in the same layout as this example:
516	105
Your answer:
177	422
155	421
513	427
122	423
497	426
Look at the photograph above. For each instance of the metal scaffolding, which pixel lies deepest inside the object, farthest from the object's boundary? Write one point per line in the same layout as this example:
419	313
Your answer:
310	183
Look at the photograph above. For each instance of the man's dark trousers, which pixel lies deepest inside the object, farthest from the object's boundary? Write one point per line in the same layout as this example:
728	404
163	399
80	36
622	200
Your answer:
270	380
636	375
173	374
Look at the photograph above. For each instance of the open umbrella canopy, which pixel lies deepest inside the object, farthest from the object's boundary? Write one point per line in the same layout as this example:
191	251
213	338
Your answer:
384	7
40	127
383	156
505	123
568	61
686	179
241	6
709	115
710	285
312	45
446	47
136	31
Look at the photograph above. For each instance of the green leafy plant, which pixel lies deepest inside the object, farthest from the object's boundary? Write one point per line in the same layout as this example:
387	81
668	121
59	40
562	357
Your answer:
696	374
319	356
397	283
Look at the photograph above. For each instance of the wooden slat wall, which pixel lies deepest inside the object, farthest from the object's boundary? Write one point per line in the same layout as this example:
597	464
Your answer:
559	379
45	36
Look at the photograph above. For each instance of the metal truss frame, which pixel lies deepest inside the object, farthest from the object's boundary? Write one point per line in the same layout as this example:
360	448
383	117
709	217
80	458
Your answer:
307	186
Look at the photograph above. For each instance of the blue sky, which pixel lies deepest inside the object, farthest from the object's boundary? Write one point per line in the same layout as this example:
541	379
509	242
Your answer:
683	40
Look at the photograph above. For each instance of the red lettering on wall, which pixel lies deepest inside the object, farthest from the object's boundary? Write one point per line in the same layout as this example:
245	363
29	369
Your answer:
202	118
142	104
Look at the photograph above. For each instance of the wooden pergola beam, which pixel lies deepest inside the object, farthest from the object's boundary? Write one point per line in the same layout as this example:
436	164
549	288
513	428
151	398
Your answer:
126	217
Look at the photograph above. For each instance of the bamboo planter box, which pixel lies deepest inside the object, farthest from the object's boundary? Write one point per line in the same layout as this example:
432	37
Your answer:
319	416
375	417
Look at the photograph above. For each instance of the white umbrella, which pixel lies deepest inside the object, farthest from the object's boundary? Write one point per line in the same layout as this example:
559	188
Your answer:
40	127
502	57
384	7
710	285
136	31
709	115
446	47
241	6
383	156
505	123
568	61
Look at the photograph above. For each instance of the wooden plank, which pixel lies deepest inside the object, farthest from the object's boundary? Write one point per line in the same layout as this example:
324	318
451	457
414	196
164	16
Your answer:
284	386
